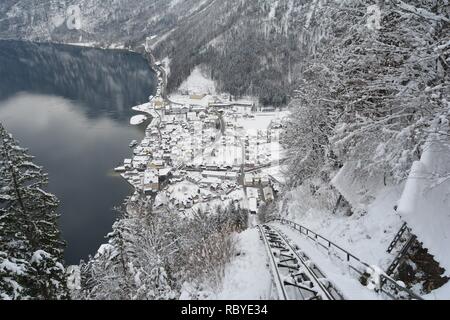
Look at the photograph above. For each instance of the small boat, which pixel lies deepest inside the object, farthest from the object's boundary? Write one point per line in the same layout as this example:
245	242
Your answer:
133	144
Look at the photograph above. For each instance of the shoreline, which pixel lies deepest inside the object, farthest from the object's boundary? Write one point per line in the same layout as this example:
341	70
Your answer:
153	118
198	162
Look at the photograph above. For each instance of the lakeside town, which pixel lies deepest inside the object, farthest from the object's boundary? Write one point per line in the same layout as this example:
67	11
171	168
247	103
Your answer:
202	151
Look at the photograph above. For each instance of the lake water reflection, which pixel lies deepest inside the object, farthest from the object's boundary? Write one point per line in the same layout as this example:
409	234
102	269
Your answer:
71	107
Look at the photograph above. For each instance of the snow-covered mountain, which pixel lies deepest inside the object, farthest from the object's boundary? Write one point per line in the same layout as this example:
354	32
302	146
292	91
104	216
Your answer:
101	21
251	47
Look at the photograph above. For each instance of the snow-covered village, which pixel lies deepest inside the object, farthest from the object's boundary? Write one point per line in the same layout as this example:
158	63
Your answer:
202	151
229	150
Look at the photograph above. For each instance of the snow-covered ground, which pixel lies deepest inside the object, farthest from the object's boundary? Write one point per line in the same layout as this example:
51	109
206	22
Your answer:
247	277
166	65
183	191
425	202
112	46
187	100
334	269
137	120
262	120
442	293
200	85
198	82
276	172
84	44
365	235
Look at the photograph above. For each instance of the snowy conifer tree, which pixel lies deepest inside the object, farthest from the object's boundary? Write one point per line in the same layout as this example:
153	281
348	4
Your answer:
31	250
133	265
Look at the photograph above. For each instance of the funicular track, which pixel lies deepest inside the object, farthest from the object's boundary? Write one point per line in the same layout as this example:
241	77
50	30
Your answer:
295	276
385	284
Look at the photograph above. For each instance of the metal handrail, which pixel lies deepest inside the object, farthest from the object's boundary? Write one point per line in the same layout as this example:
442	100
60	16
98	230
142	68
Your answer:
385	279
315	236
301	275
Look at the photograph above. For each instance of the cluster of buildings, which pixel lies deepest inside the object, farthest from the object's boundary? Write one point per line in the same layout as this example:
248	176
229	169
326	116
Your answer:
170	141
194	156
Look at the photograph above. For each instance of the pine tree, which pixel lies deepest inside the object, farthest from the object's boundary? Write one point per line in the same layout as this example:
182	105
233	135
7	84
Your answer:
134	263
31	249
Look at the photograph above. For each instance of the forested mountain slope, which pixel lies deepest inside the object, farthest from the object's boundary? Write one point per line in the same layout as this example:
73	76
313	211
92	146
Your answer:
110	21
251	47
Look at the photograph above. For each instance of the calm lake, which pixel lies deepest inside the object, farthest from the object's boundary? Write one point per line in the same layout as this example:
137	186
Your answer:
71	107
